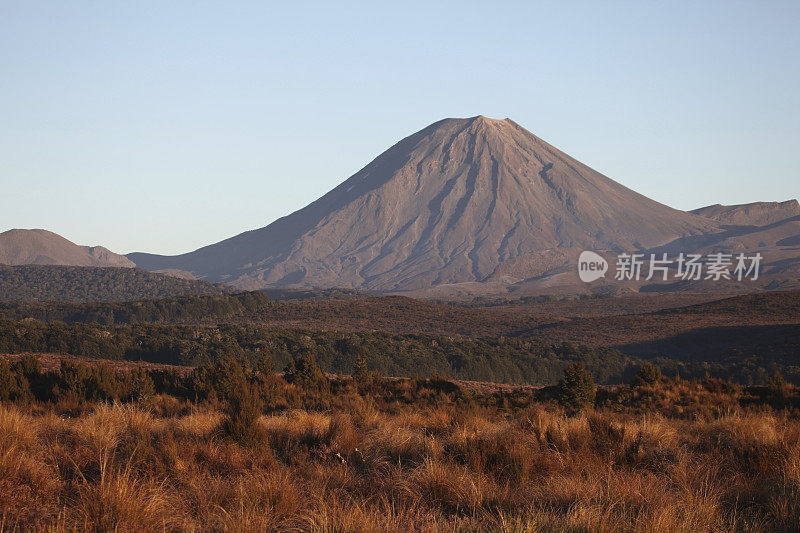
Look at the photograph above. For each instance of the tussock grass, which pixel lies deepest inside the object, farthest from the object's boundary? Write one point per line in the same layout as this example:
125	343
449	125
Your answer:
361	468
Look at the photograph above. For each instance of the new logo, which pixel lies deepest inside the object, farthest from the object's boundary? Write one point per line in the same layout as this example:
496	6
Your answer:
591	267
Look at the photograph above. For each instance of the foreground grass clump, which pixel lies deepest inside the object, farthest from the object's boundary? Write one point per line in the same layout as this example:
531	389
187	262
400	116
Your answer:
668	456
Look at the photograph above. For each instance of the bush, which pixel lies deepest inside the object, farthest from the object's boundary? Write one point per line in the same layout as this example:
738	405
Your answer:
363	377
264	366
306	373
9	388
779	390
647	375
576	389
777	384
140	385
441	383
30	366
242	412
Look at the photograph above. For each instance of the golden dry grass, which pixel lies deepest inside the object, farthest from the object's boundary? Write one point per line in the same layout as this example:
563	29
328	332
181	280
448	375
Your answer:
120	468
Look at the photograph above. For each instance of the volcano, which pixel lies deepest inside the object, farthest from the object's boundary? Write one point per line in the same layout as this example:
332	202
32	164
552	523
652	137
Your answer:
461	201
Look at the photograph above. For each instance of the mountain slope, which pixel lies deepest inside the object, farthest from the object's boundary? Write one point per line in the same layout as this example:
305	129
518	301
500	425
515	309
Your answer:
42	247
753	214
463	200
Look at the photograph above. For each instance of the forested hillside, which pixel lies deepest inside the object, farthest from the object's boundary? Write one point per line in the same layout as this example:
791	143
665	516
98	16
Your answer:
496	359
176	309
89	284
489	359
745	338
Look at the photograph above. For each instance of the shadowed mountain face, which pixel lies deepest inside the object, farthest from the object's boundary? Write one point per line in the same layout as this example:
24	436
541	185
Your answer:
464	200
42	247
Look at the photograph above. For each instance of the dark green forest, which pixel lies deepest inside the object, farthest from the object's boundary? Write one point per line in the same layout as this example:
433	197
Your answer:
86	284
496	359
487	359
189	308
195	330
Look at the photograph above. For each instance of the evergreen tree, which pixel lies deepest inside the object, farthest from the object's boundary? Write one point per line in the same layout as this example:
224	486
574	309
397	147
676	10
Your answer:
576	389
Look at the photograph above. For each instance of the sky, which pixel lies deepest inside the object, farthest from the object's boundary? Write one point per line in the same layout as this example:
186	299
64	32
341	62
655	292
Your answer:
165	126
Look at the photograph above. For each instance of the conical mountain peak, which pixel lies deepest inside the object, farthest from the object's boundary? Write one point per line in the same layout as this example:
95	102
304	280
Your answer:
481	119
462	200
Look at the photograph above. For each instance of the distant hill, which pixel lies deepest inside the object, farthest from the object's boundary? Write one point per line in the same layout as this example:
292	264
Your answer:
87	284
752	214
42	247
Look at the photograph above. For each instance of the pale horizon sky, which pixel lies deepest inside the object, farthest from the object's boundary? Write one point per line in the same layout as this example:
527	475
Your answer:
166	126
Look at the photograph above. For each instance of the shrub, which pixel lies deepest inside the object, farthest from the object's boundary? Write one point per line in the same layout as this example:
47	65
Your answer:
72	381
306	373
31	367
140	385
576	389
264	366
441	383
647	375
777	385
9	388
779	391
360	369
363	377
242	412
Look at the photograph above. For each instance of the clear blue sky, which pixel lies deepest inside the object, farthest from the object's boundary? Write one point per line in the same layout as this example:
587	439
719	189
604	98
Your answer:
164	126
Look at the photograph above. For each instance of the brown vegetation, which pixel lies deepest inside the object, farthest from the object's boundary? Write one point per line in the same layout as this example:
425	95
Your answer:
405	455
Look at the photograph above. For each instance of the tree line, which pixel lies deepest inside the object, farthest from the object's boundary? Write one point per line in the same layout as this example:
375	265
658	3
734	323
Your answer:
494	359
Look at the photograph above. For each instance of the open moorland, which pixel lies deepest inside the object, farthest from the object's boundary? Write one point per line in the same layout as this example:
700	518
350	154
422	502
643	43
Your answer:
235	447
